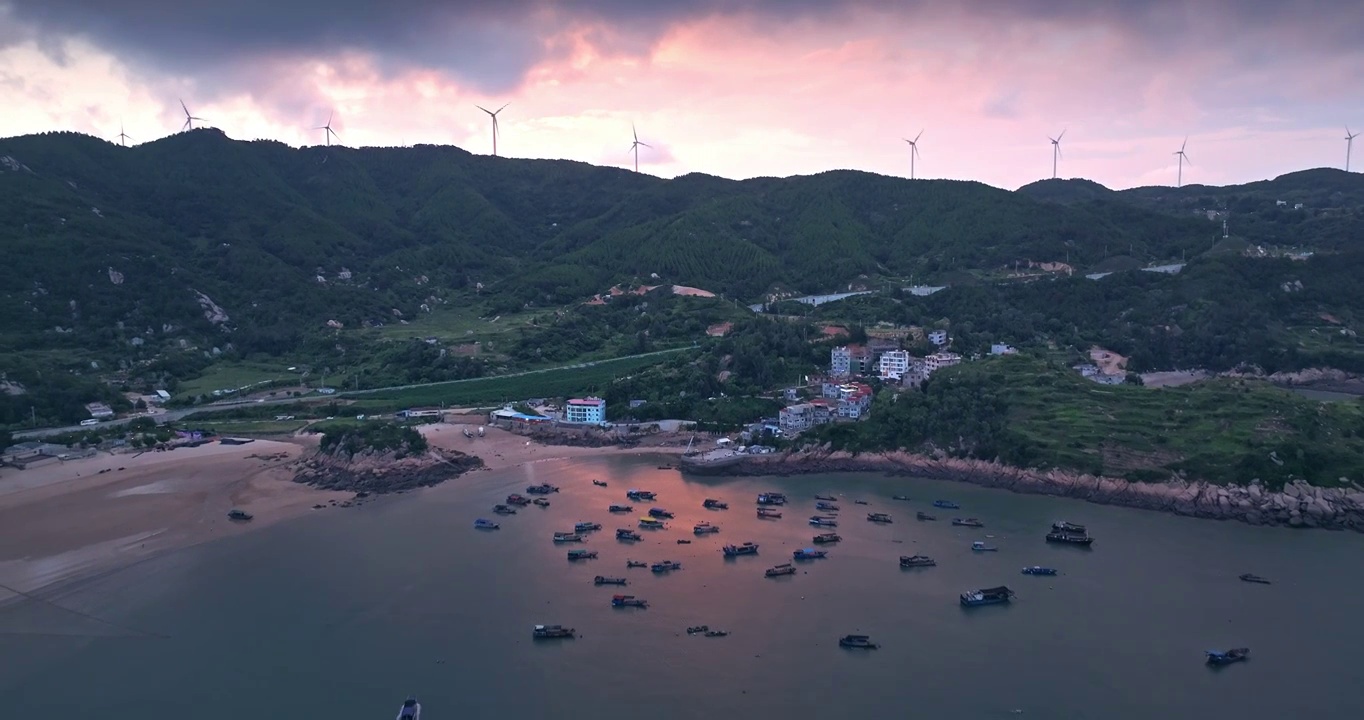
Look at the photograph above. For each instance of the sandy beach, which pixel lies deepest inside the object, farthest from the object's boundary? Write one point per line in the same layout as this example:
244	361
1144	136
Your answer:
67	520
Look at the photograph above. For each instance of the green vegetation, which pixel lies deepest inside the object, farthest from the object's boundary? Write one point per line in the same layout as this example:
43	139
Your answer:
402	440
235	376
1024	412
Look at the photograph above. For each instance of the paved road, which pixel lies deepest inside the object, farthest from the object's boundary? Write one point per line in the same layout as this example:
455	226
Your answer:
173	415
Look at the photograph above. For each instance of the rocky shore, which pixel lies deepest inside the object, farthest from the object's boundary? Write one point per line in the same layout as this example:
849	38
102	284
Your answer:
1296	505
376	473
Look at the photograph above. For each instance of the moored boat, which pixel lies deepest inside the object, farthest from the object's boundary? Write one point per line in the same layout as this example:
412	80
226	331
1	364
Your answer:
504	510
924	516
411	709
980	546
239	515
582	554
650	523
628	601
705	528
747	548
946	505
911	561
665	566
552	632
716	633
771	498
901	497
1247	577
635	564
713	504
682	541
823	538
1218	657
604	580
514	499
768	513
599	483
560	537
820	521
621	508
638	495
809	554
541	489
986	596
540	502
586	526
857	641
659	513
878	518
627	534
779	570
830	498
859	502
1069	538
967	522
482	524
826	506
1070	527
1039	570
697	629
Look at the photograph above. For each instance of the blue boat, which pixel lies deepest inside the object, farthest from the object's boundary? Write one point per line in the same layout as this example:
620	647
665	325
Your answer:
946	504
1039	570
809	554
481	524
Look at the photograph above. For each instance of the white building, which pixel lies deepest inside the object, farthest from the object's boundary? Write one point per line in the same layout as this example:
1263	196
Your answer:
938	361
590	410
893	365
840	362
938	337
99	410
1002	349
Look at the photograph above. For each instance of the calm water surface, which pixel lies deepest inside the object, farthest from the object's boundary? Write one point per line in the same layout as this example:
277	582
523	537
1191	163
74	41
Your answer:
342	613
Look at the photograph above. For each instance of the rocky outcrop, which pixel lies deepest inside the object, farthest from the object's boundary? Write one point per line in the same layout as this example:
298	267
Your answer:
1296	505
378	473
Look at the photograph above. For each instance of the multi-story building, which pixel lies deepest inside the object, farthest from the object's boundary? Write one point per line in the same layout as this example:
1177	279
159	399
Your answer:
893	365
854	400
938	337
1002	349
589	410
940	360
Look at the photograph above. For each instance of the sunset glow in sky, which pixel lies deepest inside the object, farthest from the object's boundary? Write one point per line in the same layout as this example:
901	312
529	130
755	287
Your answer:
728	87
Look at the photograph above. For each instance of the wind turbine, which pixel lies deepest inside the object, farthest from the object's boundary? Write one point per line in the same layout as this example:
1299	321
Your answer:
493	115
1179	182
328	127
1055	152
913	151
122	136
1349	145
189	119
636	145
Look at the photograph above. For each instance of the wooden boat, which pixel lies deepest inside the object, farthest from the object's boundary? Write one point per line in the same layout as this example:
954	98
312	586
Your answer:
514	499
747	548
857	641
809	554
1247	577
603	580
540	502
621	508
599	483
716	633
627	534
1069	538
504	510
946	505
582	554
561	537
239	515
638	495
1039	570
628	601
980	546
697	629
986	596
924	516
713	504
780	570
705	528
768	513
912	561
541	489
823	538
1216	657
635	564
830	498
482	524
665	566
901	497
967	522
826	506
541	632
878	518
681	541
586	526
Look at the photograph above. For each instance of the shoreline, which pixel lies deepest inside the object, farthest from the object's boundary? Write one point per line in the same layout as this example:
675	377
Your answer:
1298	505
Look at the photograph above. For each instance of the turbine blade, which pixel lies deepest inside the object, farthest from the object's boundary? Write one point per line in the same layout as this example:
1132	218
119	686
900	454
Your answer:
634	132
647	145
1186	158
916	137
1184	144
486	110
182	107
504	107
330	115
1063	134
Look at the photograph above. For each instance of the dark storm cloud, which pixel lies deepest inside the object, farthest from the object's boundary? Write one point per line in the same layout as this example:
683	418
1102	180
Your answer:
492	43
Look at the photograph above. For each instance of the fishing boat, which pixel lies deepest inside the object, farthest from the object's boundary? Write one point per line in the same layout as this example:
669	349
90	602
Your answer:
1069	538
809	554
541	489
683	541
1070	527
713	504
771	498
824	538
913	561
659	513
621	508
967	522
540	502
627	534
635	564
878	518
747	548
697	629
665	566
582	554
857	641
1247	577
1039	570
705	528
586	526
411	709
542	632
924	516
819	521
650	523
830	498
638	495
826	506
481	524
504	510
239	515
901	497
716	633
980	546
1217	657
514	499
946	505
859	502
604	580
561	537
628	601
779	570
599	483
768	513
986	596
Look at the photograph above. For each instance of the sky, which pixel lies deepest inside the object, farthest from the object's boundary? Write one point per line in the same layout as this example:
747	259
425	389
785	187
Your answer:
735	88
